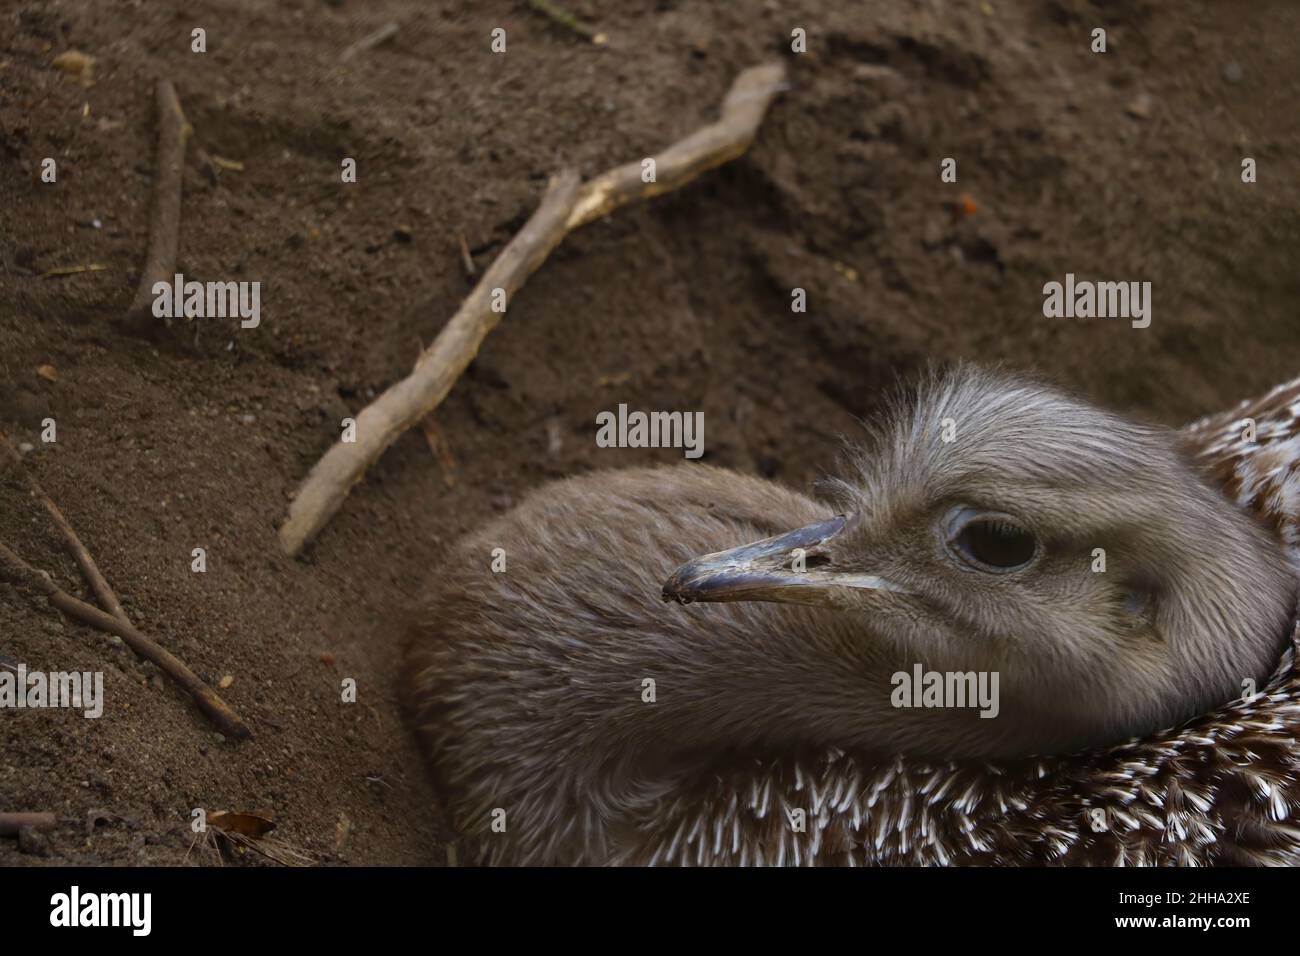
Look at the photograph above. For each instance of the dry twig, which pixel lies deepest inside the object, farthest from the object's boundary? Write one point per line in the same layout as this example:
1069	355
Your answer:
466	260
564	18
103	593
441	450
386	32
564	208
165	220
11	823
204	696
229	723
71	270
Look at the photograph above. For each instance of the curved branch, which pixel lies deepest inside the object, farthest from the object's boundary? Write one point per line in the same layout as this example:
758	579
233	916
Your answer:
564	208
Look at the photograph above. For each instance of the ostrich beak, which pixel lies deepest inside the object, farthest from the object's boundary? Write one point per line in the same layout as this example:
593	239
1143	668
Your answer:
767	570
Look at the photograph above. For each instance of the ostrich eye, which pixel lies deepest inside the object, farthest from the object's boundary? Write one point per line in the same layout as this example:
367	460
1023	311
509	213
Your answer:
990	542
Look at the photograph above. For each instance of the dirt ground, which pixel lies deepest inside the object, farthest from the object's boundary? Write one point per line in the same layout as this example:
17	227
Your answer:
1123	166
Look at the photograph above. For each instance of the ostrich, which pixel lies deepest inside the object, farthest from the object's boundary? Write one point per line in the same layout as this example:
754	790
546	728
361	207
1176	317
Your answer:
1135	619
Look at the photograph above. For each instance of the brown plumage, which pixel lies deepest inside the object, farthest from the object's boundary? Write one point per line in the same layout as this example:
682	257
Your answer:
1125	690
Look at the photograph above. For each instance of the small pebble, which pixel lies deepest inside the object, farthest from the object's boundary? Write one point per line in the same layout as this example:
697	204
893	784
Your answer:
32	842
1232	72
74	62
1140	107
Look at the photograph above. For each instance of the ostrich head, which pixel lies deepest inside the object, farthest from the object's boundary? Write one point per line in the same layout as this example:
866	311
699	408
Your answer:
993	525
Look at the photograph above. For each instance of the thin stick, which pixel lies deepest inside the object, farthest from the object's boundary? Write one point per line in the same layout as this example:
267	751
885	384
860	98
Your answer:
405	403
567	20
707	147
103	592
11	823
207	164
563	209
213	706
441	450
165	222
72	270
107	598
386	32
466	260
